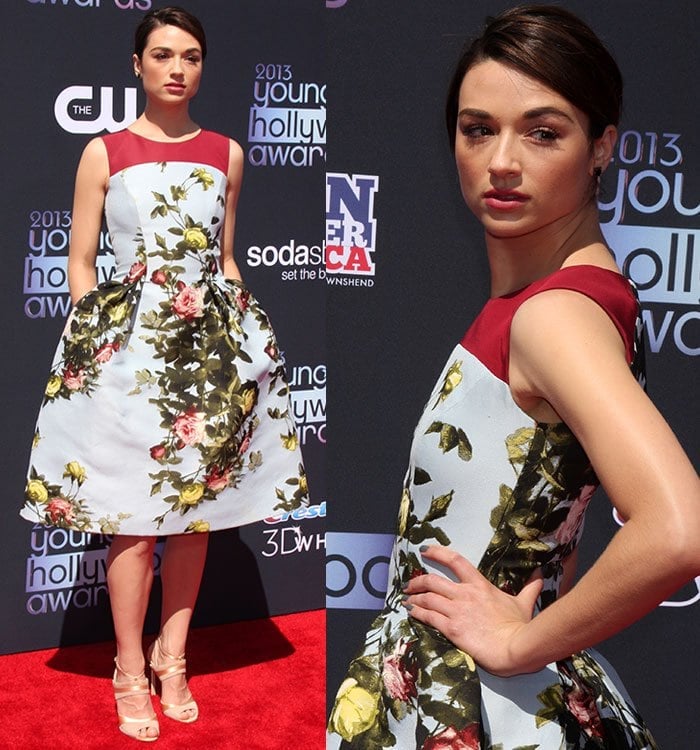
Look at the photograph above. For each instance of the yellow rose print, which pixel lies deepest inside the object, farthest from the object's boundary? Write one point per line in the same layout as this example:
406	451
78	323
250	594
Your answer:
290	441
354	711
195	238
248	397
198	527
191	493
75	471
53	386
36	492
203	177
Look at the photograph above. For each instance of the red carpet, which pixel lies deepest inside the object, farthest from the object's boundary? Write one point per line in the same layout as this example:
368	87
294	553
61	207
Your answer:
259	684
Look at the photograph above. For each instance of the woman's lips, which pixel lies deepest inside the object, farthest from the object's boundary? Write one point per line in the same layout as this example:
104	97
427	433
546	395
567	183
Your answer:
505	200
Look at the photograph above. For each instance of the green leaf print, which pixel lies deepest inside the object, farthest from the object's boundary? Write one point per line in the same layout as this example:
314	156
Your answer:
453	377
444	713
452	437
424	531
438	507
505	505
420	476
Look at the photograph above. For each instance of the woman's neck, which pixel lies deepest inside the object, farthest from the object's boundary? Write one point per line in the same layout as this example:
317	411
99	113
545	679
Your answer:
517	261
164	123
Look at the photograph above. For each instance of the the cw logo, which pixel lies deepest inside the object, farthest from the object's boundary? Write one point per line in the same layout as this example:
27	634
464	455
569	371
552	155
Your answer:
75	111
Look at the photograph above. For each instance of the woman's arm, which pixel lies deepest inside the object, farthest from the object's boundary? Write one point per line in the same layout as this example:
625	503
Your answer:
565	349
233	189
88	205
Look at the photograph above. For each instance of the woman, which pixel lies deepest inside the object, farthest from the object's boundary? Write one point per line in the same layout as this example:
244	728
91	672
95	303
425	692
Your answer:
481	643
167	409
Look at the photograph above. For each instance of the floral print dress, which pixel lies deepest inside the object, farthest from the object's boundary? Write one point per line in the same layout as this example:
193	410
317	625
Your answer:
167	408
510	495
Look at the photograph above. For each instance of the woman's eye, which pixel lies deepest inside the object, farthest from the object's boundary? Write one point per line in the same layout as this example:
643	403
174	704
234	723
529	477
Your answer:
475	131
544	135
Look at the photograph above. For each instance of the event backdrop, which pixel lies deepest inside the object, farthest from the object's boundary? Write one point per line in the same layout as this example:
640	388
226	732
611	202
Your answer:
69	77
408	273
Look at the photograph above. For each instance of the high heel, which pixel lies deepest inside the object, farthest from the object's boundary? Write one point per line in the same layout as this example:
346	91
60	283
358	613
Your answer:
168	667
137	685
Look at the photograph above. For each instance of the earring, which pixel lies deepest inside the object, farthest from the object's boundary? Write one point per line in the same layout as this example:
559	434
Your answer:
597	172
137	73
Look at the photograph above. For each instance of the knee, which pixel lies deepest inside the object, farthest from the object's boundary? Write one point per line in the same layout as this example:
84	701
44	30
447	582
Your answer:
136	549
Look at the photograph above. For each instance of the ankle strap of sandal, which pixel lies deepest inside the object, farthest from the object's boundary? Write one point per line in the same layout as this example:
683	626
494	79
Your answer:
141	676
165	653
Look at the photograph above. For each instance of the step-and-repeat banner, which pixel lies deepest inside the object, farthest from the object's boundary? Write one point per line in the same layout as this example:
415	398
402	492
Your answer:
69	77
407	274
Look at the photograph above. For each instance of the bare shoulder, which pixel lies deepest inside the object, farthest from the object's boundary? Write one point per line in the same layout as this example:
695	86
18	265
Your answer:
559	321
235	149
95	150
94	162
564	351
235	165
235	154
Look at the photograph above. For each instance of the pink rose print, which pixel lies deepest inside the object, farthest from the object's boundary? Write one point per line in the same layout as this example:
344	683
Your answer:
159	277
451	739
399	679
217	479
60	509
189	427
582	707
242	299
272	351
566	532
136	271
243	447
188	303
105	352
74	380
157	452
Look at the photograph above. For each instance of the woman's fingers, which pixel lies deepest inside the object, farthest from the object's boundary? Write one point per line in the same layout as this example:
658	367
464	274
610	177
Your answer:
463	570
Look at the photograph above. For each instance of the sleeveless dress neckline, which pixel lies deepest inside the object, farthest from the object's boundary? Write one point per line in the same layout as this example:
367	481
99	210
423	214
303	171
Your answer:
155	140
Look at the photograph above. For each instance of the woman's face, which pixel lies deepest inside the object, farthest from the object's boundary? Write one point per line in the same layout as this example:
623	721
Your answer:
523	152
171	65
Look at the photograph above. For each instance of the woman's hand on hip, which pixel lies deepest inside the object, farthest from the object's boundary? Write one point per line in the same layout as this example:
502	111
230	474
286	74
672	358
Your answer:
475	615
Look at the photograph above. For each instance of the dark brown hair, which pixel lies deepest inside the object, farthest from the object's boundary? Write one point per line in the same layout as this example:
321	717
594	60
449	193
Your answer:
170	16
552	46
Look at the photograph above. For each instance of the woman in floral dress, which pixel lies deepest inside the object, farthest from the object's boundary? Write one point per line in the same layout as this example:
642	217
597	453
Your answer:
483	641
167	409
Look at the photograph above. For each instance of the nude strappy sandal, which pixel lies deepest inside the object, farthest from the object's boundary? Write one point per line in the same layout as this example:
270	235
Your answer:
169	667
137	685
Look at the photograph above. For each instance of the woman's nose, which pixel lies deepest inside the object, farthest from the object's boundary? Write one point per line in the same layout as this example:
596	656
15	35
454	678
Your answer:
504	159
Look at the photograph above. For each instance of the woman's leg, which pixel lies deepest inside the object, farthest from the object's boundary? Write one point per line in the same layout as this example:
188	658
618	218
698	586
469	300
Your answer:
180	573
129	579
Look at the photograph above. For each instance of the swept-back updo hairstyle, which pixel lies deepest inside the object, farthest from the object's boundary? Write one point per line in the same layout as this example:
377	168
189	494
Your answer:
170	16
554	47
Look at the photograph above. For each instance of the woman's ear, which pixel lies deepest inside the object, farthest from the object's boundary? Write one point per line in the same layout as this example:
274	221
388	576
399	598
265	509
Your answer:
603	148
